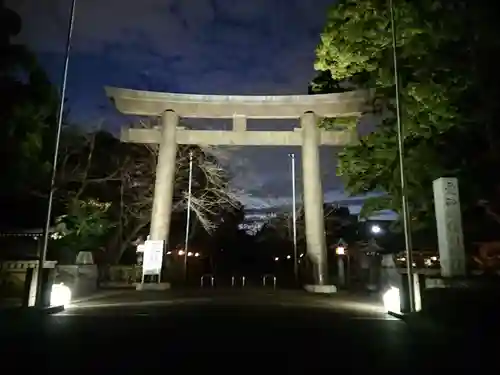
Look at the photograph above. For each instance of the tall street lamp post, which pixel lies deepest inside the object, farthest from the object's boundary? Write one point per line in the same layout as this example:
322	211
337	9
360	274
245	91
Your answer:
294	219
188	216
404	196
46	230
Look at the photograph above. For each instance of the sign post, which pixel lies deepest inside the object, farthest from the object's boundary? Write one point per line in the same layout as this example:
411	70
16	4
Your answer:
153	259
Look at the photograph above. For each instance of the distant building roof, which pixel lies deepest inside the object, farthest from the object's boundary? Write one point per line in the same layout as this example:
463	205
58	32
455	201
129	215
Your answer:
35	232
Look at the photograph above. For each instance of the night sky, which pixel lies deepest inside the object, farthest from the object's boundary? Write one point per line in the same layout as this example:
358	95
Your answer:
189	46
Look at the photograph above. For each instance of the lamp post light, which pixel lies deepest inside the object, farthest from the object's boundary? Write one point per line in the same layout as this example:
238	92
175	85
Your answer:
341	252
188	215
294	219
46	229
404	197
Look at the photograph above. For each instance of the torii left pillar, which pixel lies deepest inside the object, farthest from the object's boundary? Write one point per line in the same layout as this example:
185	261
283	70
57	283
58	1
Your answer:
165	178
163	190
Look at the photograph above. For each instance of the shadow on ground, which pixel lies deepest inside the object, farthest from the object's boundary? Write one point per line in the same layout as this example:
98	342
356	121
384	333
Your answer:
220	331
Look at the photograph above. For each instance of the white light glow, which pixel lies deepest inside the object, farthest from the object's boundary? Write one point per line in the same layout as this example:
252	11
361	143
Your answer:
376	229
196	254
392	300
288	257
276	259
56	236
169	252
340	250
181	252
190	254
60	295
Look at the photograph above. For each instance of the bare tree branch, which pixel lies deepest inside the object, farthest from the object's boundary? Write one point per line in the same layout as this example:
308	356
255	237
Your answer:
87	164
211	194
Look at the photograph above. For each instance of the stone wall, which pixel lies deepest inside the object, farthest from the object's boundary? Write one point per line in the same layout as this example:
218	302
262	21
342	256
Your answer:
82	280
13	276
473	298
124	274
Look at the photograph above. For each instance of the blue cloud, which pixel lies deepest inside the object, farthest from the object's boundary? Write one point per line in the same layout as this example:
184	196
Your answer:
199	46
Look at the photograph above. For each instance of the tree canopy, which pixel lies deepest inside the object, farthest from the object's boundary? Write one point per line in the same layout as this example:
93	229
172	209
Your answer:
27	117
105	193
104	188
449	88
278	230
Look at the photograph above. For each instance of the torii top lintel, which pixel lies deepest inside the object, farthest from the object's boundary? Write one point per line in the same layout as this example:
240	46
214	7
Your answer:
149	103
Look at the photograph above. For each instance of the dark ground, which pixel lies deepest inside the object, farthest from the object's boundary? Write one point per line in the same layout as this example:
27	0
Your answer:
250	331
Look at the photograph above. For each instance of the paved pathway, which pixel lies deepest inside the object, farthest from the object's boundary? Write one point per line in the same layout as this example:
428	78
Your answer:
132	302
214	331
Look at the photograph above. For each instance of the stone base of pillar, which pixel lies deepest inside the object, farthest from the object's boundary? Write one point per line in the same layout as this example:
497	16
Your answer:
152	286
321	289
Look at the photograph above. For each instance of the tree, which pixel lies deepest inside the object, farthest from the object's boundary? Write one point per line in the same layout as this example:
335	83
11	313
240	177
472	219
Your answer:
448	86
115	181
27	114
82	228
211	198
82	217
227	240
339	224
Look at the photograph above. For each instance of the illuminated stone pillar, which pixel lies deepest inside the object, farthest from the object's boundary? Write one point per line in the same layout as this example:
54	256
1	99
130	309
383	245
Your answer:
449	227
165	178
313	198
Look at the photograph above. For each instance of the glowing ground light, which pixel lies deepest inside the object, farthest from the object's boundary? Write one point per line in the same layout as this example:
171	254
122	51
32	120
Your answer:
392	300
376	229
60	295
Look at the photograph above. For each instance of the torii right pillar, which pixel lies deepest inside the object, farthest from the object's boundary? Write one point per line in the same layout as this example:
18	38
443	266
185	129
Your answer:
313	204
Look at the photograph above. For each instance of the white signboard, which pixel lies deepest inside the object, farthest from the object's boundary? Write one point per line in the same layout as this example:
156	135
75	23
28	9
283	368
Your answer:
449	227
153	257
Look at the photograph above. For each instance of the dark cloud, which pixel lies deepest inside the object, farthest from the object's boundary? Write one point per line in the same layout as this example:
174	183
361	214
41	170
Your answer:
196	46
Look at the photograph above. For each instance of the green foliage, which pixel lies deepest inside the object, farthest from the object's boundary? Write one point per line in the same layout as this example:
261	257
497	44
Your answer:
324	84
448	88
27	117
84	227
95	167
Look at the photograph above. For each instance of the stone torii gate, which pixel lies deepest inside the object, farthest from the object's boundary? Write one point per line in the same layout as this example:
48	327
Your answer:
240	108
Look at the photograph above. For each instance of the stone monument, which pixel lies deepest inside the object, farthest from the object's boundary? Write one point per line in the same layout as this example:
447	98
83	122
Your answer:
449	227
